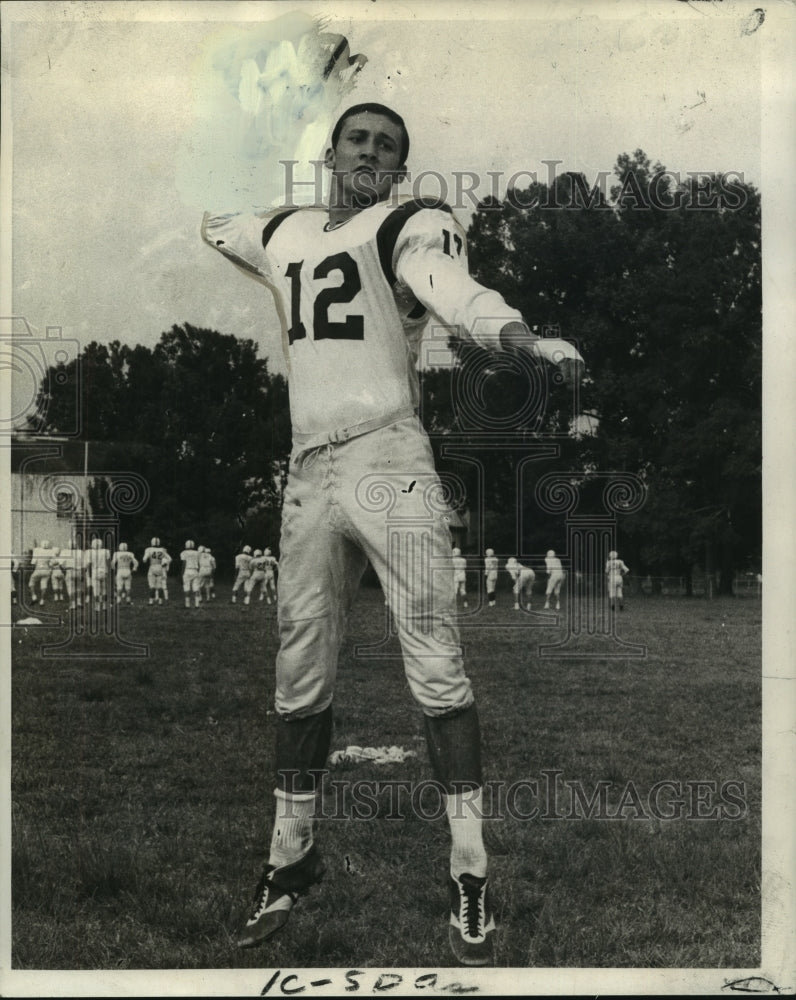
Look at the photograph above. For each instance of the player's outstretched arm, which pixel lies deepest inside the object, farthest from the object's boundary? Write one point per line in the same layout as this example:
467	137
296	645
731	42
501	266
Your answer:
430	259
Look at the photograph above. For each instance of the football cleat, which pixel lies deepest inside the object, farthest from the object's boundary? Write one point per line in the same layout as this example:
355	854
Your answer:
472	924
276	895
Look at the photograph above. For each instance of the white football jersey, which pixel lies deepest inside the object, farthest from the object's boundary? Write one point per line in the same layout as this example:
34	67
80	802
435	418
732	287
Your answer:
553	564
526	576
97	560
157	556
354	299
190	558
243	562
615	568
257	566
124	563
42	557
521	575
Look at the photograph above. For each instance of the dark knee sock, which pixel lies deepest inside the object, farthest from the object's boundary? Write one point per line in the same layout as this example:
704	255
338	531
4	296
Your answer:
454	746
302	747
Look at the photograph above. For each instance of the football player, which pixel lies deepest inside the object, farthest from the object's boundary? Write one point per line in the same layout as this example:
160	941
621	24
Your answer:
97	559
555	577
523	577
207	567
167	560
158	561
615	570
460	574
40	577
124	564
190	570
269	583
355	282
490	575
256	575
243	562
74	574
57	576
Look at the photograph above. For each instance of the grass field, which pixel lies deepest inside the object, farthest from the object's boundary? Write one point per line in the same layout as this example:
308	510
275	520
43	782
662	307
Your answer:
141	791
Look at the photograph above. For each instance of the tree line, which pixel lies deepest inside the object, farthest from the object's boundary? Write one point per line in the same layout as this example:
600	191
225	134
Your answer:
661	293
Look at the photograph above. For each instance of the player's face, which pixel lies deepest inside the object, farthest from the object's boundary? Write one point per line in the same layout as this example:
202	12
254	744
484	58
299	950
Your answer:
367	159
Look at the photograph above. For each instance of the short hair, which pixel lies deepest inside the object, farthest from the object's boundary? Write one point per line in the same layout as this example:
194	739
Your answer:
374	109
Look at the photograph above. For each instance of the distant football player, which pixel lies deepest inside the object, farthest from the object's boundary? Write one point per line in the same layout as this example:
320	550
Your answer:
166	566
355	282
616	571
157	560
24	570
490	575
460	575
256	576
73	562
190	571
124	564
207	569
555	578
523	577
40	577
269	583
57	576
243	561
97	559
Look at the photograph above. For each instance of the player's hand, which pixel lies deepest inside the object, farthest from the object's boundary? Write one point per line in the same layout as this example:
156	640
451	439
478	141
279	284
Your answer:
564	355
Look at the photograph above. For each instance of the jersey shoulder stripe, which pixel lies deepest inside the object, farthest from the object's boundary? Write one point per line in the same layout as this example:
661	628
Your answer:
390	230
274	224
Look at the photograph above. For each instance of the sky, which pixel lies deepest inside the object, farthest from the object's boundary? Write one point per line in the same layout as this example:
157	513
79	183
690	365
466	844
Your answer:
127	120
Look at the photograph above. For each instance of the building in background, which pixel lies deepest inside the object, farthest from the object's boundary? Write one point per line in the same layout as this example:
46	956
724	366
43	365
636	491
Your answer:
51	485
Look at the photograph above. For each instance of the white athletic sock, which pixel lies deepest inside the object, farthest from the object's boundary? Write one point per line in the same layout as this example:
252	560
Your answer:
292	833
465	816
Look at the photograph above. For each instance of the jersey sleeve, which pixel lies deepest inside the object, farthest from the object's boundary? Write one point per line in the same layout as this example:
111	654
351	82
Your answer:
430	259
241	239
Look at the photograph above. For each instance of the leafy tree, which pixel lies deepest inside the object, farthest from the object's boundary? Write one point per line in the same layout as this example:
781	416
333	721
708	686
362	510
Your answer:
660	285
199	416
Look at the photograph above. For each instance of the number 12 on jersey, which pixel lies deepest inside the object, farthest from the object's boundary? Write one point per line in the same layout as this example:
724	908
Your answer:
353	326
